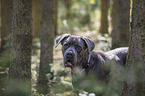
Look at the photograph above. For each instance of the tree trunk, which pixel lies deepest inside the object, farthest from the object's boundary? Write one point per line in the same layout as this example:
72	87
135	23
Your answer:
104	17
6	19
55	15
21	46
120	23
47	39
68	8
136	55
36	14
5	31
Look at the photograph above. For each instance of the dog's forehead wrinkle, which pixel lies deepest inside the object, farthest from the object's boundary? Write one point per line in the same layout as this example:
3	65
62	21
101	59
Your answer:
81	41
73	40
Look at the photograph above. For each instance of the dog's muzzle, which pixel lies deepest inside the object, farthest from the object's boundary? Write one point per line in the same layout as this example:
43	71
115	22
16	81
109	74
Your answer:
69	59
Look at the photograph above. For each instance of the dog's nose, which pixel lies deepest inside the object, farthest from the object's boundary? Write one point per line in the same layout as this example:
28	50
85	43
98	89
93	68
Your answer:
70	54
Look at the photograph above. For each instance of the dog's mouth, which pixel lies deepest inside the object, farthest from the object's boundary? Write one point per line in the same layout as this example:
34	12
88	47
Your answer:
68	64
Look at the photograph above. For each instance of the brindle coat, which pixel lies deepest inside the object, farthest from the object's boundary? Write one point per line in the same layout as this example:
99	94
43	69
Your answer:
78	52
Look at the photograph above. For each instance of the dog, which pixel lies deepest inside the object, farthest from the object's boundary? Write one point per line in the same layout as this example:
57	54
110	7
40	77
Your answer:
78	52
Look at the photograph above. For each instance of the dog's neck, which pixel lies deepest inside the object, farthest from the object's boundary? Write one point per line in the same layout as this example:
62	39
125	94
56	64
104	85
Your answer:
85	66
85	62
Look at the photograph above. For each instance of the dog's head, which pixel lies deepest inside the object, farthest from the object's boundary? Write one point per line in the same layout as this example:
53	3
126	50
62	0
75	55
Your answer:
74	48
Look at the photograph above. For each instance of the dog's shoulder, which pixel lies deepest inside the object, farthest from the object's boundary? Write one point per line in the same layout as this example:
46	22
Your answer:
121	50
100	57
118	54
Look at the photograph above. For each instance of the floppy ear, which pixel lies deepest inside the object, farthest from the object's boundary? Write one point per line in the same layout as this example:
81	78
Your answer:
90	44
61	38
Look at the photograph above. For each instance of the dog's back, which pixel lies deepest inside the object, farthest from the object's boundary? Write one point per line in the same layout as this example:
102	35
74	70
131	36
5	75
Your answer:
99	58
118	54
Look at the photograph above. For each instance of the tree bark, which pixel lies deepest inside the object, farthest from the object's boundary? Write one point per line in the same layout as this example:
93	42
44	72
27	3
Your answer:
68	8
55	15
120	23
104	17
21	46
136	55
47	39
6	19
5	32
36	14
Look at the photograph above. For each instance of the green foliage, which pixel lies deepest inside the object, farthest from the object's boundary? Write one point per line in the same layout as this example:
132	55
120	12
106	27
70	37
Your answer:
63	86
113	84
5	56
4	64
5	59
82	16
19	87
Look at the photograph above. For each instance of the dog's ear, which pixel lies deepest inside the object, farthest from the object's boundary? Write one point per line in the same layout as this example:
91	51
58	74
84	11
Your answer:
90	44
61	38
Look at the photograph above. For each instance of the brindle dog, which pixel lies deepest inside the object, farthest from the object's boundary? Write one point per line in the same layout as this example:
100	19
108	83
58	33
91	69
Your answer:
78	52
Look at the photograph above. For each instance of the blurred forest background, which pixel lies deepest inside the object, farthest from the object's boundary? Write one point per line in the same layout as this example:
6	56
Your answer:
29	63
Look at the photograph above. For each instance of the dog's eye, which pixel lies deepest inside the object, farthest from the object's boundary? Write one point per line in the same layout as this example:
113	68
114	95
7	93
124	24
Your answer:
78	48
65	46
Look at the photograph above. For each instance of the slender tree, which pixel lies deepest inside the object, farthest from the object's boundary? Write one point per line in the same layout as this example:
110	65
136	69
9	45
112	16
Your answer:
68	8
47	39
5	32
5	21
104	16
136	55
21	45
36	14
120	23
55	15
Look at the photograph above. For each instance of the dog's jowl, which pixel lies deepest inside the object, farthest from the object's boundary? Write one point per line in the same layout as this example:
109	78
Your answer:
78	53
